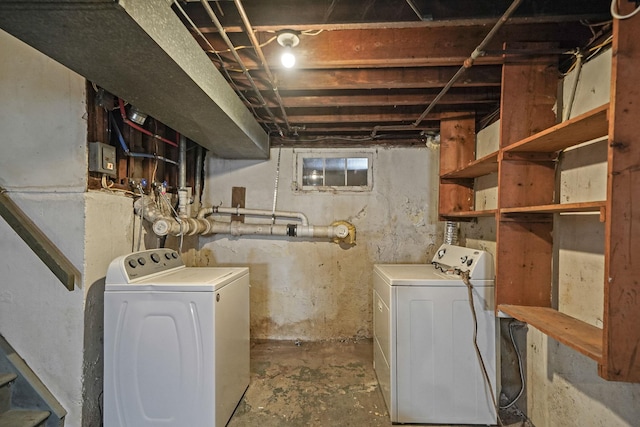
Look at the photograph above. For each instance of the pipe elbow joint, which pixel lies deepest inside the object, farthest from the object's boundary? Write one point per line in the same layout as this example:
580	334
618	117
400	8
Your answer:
344	232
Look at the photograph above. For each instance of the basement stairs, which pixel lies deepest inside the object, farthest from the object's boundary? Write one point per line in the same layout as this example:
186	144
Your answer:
24	400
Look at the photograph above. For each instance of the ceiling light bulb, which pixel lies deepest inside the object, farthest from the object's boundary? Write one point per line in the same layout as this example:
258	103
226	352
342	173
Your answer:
287	58
288	40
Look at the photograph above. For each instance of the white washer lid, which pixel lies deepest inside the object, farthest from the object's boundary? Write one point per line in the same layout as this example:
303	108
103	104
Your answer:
187	279
422	275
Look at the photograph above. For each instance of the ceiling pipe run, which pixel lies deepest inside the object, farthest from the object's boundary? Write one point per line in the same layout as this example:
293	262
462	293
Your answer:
468	63
245	71
265	64
142	52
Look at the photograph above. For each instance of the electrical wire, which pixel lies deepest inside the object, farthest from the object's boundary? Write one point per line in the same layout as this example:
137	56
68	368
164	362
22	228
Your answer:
140	128
109	186
520	368
128	153
616	15
176	216
466	280
141	218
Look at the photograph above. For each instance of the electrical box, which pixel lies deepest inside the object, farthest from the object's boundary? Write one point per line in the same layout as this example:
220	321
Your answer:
102	158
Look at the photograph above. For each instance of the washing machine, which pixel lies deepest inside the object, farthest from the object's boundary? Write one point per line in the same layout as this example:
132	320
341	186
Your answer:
424	356
176	341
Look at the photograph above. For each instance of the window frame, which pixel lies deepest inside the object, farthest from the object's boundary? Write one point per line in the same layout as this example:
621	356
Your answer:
300	155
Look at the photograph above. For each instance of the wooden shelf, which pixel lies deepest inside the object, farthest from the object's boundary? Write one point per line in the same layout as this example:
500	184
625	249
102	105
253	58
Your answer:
483	166
470	214
585	127
580	336
597	206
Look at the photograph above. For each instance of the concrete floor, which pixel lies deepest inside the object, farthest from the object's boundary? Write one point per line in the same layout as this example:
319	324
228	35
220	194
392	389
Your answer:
316	384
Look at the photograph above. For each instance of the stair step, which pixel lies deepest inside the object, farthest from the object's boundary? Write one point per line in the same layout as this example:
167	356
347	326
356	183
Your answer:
20	418
7	378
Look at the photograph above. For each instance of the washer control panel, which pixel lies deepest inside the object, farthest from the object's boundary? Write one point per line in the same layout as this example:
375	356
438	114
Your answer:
454	259
130	267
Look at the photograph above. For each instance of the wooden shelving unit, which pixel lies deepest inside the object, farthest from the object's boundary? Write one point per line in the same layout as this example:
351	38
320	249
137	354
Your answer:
530	140
580	336
477	168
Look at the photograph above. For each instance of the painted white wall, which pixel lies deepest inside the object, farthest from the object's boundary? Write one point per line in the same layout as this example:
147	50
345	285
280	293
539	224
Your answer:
563	387
314	289
43	164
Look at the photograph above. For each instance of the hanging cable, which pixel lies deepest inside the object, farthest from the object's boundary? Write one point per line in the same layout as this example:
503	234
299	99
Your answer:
615	14
466	280
520	367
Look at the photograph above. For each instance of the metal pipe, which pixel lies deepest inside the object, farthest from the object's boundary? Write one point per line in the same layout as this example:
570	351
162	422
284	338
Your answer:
415	9
468	63
198	178
182	177
253	212
182	162
574	86
245	71
265	65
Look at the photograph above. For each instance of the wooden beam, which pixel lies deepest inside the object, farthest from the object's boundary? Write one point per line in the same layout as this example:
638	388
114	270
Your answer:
366	100
622	229
389	48
389	78
39	243
313	15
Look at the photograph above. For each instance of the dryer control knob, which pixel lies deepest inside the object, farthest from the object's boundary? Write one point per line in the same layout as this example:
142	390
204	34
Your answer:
155	257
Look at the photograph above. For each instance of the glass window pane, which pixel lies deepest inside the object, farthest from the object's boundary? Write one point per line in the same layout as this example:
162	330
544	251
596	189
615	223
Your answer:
357	169
312	171
334	172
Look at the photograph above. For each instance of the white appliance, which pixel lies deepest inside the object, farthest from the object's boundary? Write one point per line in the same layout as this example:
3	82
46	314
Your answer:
176	341
424	355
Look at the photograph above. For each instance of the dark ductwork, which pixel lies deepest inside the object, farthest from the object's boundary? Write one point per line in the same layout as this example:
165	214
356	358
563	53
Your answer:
141	51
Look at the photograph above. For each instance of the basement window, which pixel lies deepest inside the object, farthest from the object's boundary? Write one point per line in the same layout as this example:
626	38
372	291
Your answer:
318	171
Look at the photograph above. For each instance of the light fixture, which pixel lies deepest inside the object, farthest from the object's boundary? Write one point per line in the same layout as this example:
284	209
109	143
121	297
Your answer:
288	40
137	116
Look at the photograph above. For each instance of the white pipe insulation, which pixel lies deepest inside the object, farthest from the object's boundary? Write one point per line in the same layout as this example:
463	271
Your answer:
166	225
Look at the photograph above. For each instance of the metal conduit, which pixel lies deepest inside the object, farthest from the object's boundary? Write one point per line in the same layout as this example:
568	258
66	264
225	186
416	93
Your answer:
265	65
468	63
245	71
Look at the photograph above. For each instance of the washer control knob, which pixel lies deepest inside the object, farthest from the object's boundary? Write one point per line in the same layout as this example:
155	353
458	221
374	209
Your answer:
469	262
167	255
464	259
141	261
133	263
174	255
441	253
155	257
